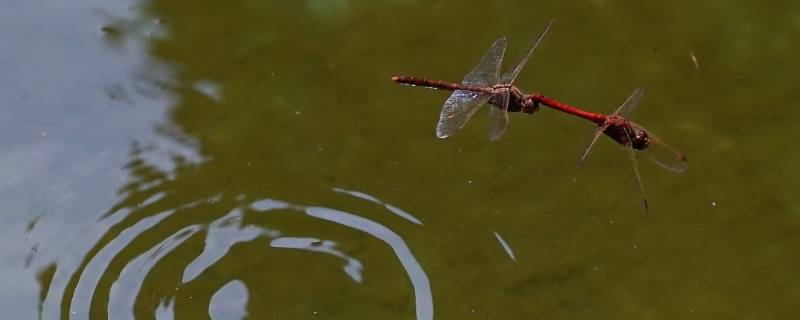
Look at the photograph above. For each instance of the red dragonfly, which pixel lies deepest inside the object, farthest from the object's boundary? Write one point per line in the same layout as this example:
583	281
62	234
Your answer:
484	85
631	135
481	85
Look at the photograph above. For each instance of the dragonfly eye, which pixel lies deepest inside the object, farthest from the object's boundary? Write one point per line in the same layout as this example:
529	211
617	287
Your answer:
640	140
529	106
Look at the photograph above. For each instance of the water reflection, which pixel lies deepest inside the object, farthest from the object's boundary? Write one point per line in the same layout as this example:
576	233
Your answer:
153	258
126	288
194	159
123	224
391	208
230	302
352	268
419	280
223	234
75	100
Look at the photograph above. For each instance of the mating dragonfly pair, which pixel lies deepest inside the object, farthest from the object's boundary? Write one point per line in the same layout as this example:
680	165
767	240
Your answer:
485	85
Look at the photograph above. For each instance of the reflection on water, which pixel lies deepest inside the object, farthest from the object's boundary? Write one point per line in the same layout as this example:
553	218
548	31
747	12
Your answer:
126	287
422	288
125	273
194	159
223	234
230	302
352	268
116	234
75	99
391	208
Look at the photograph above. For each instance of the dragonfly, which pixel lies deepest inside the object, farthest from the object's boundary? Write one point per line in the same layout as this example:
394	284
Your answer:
482	85
633	137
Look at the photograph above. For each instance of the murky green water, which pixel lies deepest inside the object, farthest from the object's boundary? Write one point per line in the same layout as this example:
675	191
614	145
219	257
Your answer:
252	159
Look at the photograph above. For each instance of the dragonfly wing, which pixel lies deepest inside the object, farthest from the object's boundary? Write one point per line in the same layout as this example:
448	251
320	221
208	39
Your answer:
488	69
498	116
595	136
665	156
632	155
633	100
457	110
512	73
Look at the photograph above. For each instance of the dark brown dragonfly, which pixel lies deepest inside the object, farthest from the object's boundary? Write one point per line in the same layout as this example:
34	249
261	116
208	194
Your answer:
635	139
482	85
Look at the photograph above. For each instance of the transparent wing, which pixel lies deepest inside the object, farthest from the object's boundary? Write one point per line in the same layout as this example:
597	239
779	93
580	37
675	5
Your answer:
488	69
457	110
596	135
633	100
498	116
512	73
664	155
632	155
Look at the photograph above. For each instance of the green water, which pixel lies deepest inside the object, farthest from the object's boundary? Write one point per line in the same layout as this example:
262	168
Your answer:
252	159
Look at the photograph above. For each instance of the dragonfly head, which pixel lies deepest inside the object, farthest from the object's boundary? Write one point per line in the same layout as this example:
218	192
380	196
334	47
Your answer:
529	106
640	140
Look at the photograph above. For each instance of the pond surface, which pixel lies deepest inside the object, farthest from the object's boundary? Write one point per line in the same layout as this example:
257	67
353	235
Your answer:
252	159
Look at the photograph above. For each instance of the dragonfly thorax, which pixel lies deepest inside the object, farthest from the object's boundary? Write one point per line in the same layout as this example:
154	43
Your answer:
624	132
517	101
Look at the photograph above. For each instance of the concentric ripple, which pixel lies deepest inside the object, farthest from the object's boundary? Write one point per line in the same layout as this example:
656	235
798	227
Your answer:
158	260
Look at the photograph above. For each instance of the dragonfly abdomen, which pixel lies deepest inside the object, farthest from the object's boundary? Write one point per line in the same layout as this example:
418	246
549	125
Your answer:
436	84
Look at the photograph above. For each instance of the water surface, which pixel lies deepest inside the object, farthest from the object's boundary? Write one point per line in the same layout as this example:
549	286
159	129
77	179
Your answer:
203	159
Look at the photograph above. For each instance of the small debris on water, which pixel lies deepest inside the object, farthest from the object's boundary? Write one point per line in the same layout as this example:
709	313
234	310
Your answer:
505	246
713	204
694	60
208	88
110	30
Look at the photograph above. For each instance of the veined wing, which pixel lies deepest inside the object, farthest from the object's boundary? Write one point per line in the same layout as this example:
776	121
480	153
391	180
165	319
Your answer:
488	69
595	136
664	155
498	116
512	73
457	110
632	155
633	100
